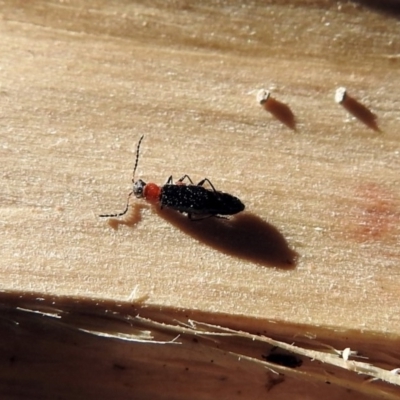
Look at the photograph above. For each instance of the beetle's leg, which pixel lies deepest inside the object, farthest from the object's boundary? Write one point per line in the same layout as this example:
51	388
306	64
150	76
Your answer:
201	183
200	218
180	181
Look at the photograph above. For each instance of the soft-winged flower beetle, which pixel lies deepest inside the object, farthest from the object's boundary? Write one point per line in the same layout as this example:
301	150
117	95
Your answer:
196	201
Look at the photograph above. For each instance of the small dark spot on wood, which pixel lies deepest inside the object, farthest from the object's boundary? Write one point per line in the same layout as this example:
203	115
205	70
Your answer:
286	360
119	366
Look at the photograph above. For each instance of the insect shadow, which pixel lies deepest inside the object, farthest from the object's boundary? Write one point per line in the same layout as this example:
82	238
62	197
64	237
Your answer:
245	236
281	111
361	112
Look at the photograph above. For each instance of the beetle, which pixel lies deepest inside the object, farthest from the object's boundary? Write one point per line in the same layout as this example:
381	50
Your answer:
196	201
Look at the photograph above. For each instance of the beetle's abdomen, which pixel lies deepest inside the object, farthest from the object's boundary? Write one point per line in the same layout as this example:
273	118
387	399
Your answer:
194	199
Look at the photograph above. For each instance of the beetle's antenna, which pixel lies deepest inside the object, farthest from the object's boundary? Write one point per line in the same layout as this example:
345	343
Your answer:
119	214
133	180
137	158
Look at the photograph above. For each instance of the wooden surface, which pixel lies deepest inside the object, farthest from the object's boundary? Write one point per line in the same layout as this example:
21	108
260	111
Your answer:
316	249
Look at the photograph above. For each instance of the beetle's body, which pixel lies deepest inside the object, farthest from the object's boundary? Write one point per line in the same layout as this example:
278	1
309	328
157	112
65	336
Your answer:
195	200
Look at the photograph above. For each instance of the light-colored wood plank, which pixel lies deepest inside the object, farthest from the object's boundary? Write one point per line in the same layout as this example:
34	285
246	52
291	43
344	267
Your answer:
317	246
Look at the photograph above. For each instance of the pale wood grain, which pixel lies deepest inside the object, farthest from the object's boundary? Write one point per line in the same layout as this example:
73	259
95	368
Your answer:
81	82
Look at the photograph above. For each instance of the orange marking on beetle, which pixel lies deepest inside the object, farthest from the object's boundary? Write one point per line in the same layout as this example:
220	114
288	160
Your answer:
151	192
